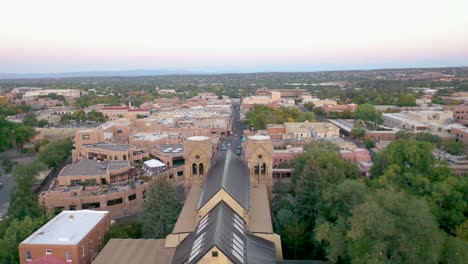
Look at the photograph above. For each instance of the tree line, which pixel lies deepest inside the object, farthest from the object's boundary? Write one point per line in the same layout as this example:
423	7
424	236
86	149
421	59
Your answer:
260	116
25	214
412	210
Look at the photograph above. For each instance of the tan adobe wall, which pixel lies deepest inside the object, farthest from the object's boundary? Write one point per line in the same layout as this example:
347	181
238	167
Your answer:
208	258
196	153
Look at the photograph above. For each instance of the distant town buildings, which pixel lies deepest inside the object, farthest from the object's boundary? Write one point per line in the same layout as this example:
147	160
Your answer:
438	123
334	108
302	131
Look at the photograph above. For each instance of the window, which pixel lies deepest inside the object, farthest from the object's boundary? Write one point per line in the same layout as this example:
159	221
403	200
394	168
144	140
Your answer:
83	251
119	131
28	256
124	157
90	245
69	256
214	254
91	205
85	137
132	197
115	157
114	202
48	251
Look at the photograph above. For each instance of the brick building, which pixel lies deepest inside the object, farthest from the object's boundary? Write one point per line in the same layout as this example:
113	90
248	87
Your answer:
70	237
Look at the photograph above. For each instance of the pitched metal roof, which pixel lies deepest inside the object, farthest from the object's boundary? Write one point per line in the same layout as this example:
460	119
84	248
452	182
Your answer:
224	229
230	173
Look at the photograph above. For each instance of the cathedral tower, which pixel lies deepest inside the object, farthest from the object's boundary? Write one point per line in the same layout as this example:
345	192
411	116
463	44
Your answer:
197	154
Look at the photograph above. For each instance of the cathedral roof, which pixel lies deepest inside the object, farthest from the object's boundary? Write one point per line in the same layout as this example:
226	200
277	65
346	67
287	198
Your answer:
231	174
224	229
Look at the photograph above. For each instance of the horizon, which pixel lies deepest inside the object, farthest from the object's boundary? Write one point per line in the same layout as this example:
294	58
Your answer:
241	37
167	72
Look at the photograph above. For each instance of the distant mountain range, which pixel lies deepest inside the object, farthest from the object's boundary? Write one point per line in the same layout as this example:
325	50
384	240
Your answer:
212	70
127	73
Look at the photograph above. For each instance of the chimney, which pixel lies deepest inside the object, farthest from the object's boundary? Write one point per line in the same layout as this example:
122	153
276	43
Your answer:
71	217
130	104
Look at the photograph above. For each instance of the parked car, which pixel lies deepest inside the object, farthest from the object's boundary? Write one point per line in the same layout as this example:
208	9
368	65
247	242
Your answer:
1	185
238	151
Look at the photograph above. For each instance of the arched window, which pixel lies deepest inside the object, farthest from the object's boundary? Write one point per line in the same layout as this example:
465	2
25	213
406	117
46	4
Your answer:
263	171
256	169
194	169
201	169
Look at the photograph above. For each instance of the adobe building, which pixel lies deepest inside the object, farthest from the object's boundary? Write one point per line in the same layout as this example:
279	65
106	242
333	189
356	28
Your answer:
70	237
334	108
88	184
226	216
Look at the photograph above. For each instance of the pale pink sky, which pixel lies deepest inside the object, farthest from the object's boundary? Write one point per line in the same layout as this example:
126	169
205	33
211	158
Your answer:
58	36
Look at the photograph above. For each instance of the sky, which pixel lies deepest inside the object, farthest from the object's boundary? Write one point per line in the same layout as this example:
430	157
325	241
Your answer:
240	36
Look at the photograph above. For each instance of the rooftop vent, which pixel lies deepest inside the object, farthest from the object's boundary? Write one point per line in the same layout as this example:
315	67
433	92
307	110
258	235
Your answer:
71	217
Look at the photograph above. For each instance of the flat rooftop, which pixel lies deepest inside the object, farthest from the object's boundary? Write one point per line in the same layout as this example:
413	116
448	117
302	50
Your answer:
110	146
92	167
149	136
171	148
67	228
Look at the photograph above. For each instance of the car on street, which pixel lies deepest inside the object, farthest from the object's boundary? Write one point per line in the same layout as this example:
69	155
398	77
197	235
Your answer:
1	185
238	151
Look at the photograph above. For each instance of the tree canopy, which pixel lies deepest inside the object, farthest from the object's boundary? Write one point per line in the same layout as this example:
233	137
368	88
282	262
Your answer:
55	152
260	116
160	210
412	210
367	112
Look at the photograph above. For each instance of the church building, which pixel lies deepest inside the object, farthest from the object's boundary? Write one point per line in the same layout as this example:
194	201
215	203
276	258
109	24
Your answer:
226	217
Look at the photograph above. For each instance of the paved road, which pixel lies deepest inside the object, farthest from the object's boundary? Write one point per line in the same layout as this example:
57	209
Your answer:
8	185
235	138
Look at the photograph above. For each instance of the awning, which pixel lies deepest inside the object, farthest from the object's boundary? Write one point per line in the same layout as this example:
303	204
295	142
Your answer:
154	163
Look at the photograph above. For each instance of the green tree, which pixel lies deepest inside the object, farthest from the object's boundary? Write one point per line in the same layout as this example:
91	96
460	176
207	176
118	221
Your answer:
454	147
407	100
455	251
370	143
305	116
295	235
55	152
95	116
358	132
423	136
161	209
309	106
310	152
410	166
23	134
390	226
79	115
16	232
367	112
124	230
30	119
23	201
